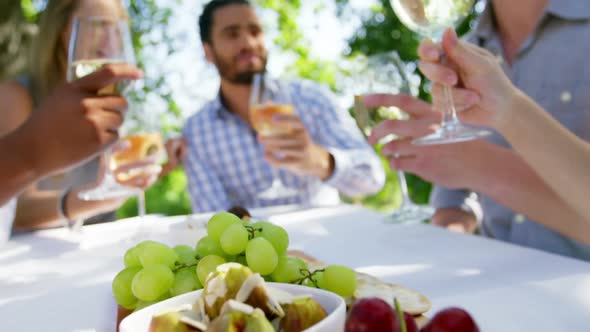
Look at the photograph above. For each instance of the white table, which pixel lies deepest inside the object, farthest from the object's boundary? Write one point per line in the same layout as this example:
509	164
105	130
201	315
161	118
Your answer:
50	284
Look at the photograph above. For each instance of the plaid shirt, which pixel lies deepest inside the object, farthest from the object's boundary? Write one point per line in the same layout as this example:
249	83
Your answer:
225	164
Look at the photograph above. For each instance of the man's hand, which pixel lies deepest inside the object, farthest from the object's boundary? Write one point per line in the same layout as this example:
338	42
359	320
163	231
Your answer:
455	220
459	165
73	123
296	152
176	151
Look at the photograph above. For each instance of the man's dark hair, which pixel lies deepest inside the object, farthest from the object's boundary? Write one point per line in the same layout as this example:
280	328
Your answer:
206	19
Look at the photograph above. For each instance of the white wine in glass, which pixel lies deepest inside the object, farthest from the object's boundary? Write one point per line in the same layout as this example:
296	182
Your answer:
138	156
430	18
148	147
264	105
261	117
82	68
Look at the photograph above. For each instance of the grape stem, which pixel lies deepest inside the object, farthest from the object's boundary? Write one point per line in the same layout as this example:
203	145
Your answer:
400	315
184	266
307	275
252	231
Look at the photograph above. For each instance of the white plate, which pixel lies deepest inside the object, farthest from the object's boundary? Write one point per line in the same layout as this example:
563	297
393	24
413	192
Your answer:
332	303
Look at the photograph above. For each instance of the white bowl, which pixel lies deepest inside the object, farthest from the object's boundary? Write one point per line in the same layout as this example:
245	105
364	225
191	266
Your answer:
333	304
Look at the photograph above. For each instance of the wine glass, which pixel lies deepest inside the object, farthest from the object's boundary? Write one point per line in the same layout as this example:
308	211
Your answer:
138	155
430	18
95	42
385	73
264	105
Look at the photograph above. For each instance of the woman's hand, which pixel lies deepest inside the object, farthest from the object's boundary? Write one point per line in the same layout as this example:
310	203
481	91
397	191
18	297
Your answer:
477	78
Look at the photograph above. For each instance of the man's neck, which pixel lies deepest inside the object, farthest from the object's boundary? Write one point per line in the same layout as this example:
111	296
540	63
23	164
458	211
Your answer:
236	98
516	21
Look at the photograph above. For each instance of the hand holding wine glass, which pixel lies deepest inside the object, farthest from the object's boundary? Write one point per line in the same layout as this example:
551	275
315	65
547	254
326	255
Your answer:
263	108
135	164
287	143
74	112
135	160
430	18
96	42
484	88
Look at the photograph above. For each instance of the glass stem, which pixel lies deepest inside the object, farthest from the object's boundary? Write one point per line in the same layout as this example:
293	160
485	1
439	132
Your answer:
107	161
276	179
141	204
450	113
403	185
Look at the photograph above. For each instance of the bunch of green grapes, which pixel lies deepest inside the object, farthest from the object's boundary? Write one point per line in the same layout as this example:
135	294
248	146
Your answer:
154	272
262	246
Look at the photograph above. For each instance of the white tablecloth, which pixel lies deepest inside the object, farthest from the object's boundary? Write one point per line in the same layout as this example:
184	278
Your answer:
49	283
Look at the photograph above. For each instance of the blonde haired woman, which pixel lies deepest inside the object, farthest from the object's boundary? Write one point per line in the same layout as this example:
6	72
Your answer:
54	201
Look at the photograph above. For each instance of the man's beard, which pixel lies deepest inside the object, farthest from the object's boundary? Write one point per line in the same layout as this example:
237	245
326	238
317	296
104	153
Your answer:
227	72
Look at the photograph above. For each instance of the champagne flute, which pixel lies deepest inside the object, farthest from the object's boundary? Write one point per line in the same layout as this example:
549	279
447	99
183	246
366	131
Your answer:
264	105
385	73
430	18
95	42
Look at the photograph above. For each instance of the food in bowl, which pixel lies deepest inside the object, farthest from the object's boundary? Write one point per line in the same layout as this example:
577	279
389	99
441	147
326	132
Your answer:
235	297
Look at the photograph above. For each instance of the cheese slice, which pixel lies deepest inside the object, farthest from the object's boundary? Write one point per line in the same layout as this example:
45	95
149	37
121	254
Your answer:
411	301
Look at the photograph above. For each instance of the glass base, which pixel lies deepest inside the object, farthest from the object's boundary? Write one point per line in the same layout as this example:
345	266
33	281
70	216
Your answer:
277	190
452	133
75	231
410	213
109	188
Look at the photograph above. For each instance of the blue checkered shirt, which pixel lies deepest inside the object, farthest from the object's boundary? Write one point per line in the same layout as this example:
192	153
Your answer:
225	164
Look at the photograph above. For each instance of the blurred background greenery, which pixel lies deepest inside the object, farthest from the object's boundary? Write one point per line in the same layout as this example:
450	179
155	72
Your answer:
154	32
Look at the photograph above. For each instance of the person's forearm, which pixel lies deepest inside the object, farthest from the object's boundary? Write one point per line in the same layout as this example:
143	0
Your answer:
16	171
511	182
39	209
560	158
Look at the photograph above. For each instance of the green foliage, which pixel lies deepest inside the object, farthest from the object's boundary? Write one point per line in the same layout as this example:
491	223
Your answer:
29	11
291	40
146	17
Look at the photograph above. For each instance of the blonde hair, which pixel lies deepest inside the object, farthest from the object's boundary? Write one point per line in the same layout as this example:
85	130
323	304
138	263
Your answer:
48	61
